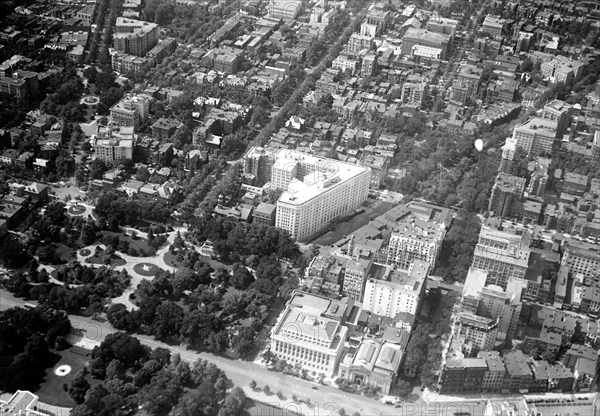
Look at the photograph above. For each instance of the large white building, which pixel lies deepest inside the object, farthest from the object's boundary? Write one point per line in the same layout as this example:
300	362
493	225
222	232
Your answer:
390	292
114	143
310	333
316	191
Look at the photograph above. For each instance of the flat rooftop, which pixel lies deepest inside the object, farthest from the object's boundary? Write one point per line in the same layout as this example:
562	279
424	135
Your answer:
327	175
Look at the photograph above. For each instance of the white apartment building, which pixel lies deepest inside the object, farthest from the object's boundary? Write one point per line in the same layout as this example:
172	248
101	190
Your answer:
389	293
415	240
317	191
135	37
537	135
114	143
310	332
503	254
345	63
130	111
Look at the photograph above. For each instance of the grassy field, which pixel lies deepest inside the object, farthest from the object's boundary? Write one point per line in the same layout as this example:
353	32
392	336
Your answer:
51	390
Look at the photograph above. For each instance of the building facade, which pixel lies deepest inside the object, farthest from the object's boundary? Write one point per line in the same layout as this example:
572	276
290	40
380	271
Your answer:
310	333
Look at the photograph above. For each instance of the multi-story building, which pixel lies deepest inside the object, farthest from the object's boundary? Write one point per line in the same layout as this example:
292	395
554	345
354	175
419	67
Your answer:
114	143
439	24
560	112
374	363
537	135
284	9
227	59
412	91
264	214
506	190
582	257
476	333
574	183
310	332
463	375
20	84
355	276
379	18
562	69
379	167
505	307
130	111
124	62
369	64
135	37
504	255
494	376
422	37
470	77
508	154
164	128
390	292
358	42
317	191
258	164
345	63
493	25
518	373
415	239
539	177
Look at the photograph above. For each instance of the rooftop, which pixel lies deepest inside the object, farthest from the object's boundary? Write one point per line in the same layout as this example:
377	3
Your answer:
328	174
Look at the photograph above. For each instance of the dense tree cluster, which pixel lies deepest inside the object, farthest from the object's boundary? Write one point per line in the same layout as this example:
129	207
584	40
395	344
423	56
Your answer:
26	338
83	287
235	240
133	376
63	90
117	210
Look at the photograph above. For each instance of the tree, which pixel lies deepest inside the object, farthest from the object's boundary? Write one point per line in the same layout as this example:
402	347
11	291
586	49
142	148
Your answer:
97	168
244	341
88	233
79	387
267	389
168	320
241	278
252	384
118	316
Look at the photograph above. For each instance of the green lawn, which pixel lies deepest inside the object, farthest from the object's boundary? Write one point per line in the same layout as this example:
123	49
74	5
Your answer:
140	244
51	390
100	256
